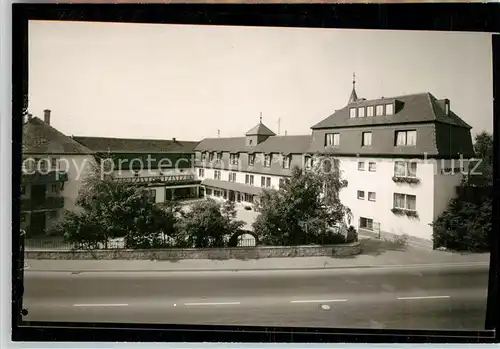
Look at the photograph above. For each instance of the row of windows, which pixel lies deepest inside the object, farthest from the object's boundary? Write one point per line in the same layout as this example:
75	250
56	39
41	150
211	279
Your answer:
401	201
372	196
401	168
372	166
380	110
401	138
41	164
265	181
223	194
54	188
234	159
50	214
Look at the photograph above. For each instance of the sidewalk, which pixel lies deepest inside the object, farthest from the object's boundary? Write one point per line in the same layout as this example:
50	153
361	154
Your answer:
375	254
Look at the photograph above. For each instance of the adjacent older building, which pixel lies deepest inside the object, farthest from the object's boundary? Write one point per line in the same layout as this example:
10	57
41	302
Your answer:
53	167
165	167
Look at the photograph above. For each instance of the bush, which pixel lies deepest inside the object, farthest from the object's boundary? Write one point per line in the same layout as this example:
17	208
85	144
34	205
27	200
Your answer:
401	240
352	235
464	226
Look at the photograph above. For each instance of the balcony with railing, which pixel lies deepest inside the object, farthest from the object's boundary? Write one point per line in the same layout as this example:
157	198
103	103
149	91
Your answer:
165	179
38	177
49	203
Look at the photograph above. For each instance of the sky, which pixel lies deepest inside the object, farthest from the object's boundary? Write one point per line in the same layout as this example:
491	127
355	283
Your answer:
162	81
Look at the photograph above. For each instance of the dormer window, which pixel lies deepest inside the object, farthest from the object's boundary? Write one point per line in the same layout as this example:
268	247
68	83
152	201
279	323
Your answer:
352	114
212	156
234	159
267	160
251	159
332	139
286	161
389	109
361	112
308	162
380	110
404	138
203	156
250	142
369	111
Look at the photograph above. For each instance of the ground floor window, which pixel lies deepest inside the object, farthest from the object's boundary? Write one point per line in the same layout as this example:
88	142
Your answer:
366	223
209	191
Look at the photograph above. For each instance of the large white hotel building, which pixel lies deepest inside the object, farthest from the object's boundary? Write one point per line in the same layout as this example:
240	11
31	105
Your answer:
400	155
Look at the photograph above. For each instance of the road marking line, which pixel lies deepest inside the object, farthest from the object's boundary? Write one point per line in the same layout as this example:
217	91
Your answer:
428	297
221	303
320	301
100	305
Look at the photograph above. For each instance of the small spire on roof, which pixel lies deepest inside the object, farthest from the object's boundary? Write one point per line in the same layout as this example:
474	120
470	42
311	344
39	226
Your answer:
354	95
260	121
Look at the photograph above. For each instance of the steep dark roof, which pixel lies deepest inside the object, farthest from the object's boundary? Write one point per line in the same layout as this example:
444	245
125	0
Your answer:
41	138
409	109
354	96
132	145
260	130
274	144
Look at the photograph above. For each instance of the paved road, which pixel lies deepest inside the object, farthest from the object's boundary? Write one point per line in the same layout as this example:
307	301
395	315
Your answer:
406	298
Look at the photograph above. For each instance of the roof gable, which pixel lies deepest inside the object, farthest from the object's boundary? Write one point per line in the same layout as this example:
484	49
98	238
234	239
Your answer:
415	108
41	138
260	130
134	145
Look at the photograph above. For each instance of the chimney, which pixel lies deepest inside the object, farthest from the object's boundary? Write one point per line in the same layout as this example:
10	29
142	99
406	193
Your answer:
46	116
30	116
285	132
173	139
445	104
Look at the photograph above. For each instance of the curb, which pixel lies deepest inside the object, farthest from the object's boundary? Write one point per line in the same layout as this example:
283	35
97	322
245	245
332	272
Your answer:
408	266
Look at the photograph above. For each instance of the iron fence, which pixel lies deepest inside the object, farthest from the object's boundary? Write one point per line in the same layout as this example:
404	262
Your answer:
246	242
60	244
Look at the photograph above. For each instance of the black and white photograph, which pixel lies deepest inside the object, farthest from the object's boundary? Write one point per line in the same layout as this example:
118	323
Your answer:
257	176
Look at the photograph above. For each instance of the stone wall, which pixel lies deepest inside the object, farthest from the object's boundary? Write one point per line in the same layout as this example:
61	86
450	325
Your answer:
192	253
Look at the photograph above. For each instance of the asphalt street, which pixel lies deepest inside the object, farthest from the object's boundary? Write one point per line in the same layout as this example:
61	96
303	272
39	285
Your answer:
405	298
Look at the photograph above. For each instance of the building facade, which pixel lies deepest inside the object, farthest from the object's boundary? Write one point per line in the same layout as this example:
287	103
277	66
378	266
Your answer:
402	157
164	167
239	168
53	168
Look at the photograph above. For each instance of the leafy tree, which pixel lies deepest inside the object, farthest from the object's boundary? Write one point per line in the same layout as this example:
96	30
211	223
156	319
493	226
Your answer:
208	224
466	223
304	208
113	209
